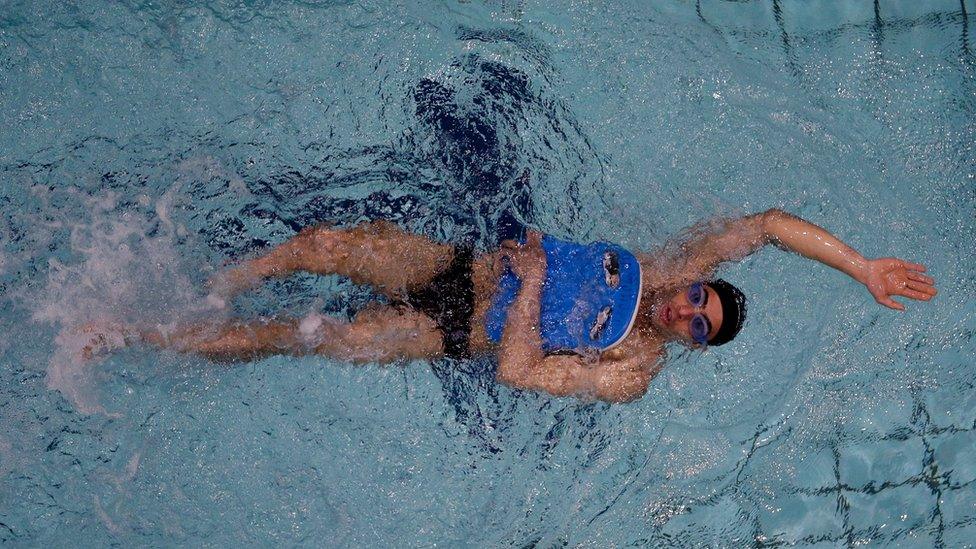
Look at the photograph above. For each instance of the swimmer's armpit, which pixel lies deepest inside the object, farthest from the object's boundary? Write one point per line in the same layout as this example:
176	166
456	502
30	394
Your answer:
696	254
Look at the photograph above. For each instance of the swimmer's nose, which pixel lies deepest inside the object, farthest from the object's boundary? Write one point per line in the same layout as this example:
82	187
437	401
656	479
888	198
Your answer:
685	312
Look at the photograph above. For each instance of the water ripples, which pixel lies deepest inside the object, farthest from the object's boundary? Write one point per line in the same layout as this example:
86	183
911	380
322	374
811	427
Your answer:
191	134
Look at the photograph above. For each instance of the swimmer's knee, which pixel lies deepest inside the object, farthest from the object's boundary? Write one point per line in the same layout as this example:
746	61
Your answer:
326	238
320	247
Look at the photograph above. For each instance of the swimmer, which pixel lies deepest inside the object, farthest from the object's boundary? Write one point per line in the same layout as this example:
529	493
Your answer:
590	321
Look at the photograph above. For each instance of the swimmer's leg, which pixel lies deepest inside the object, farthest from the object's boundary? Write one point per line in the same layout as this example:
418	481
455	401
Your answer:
229	343
379	254
382	334
378	334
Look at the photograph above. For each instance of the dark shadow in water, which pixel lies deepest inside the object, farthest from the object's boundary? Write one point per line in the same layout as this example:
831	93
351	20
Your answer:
482	167
457	173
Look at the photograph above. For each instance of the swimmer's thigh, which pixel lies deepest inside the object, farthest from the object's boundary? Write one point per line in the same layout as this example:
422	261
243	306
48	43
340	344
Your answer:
379	254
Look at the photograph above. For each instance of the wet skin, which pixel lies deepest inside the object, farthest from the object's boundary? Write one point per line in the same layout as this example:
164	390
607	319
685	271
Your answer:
673	317
392	261
669	318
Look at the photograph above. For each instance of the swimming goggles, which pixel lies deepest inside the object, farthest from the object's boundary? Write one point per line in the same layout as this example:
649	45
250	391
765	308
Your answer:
699	325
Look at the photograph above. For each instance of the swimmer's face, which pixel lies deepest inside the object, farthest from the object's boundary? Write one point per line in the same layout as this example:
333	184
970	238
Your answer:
675	316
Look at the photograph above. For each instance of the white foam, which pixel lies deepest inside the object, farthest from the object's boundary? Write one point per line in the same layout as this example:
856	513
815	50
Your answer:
312	329
214	301
70	371
121	278
310	325
132	467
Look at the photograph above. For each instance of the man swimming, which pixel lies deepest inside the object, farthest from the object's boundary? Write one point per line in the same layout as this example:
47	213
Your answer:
567	319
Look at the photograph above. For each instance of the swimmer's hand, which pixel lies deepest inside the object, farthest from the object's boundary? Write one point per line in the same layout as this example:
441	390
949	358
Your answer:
888	276
528	260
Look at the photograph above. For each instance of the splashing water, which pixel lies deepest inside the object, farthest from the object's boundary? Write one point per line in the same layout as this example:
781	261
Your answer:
128	274
145	142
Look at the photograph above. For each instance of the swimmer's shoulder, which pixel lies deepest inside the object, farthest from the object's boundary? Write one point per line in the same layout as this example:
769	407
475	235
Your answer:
640	346
660	269
629	367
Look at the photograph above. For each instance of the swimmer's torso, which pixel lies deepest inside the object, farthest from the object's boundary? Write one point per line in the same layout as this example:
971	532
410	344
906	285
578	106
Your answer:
589	302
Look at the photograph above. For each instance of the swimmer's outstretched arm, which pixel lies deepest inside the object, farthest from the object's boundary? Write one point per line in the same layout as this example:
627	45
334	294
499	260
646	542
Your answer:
736	238
523	364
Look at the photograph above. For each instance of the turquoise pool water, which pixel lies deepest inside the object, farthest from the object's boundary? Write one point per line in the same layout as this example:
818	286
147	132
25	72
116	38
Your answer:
143	145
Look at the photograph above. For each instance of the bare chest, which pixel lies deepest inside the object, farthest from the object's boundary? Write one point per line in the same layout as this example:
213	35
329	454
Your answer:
640	345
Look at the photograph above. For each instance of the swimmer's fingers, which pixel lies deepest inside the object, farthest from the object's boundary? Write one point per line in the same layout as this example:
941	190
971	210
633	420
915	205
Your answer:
528	260
533	239
923	287
912	266
890	303
533	245
918	292
509	252
919	277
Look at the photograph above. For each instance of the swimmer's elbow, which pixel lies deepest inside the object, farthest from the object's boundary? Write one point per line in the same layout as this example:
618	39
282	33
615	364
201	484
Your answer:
774	216
769	221
306	250
506	377
559	376
511	372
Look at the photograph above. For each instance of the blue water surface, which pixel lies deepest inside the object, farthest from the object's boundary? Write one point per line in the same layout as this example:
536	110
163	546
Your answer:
145	144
